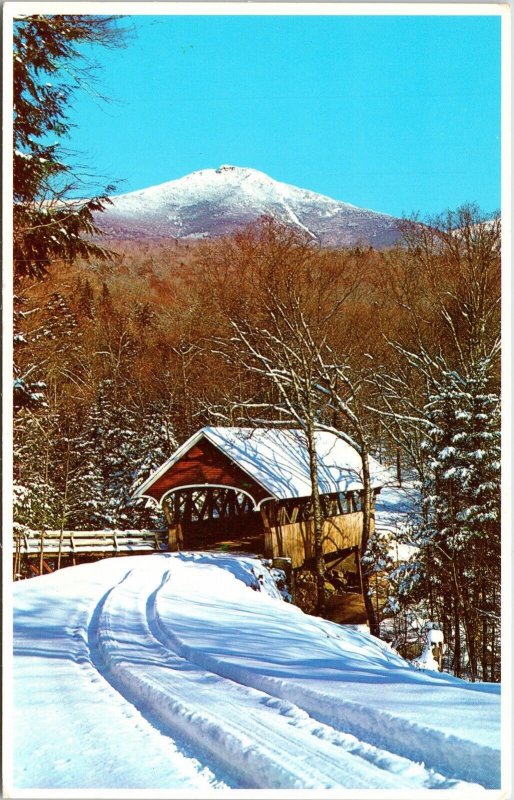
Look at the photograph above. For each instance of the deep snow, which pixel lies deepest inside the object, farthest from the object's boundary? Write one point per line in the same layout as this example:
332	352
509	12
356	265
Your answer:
186	671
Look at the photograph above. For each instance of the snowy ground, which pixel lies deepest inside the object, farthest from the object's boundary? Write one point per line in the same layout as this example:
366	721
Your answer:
396	507
186	672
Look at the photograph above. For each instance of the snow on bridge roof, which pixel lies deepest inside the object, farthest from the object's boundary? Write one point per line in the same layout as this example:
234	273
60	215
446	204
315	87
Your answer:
277	459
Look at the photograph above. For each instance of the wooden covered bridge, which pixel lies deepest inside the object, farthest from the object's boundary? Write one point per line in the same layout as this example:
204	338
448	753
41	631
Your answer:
238	489
252	488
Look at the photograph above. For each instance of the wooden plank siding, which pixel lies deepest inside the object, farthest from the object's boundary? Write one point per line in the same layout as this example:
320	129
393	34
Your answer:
296	540
200	517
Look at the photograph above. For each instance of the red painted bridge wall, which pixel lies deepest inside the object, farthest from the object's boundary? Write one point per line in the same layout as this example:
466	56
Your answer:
204	463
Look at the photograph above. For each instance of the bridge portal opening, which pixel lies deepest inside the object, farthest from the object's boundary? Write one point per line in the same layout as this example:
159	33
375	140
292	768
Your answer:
213	517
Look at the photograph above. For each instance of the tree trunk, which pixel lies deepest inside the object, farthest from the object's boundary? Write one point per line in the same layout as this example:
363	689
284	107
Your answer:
17	556
64	505
465	605
319	564
485	632
493	640
470	631
456	651
367	529
41	552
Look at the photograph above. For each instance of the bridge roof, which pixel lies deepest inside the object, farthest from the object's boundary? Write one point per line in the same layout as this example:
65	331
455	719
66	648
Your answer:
267	463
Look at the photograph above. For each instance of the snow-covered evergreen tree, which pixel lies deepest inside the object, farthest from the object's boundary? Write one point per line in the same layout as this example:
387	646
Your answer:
154	448
36	500
462	494
121	446
49	65
454	576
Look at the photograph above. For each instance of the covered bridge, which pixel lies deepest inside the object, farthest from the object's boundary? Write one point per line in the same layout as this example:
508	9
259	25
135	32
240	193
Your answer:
254	486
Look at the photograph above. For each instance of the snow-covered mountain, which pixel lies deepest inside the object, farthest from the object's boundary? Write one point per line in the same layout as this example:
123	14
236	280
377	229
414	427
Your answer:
216	202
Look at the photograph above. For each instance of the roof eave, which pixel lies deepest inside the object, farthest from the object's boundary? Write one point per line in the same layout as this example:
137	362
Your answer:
141	491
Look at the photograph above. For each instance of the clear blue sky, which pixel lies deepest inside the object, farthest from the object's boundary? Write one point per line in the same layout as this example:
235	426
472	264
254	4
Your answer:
397	114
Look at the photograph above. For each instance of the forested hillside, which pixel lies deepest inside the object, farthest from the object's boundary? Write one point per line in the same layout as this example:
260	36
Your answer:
128	357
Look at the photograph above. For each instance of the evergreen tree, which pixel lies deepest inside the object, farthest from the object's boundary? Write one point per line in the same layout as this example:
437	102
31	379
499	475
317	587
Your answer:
85	303
28	390
154	448
121	447
36	501
49	65
463	500
454	577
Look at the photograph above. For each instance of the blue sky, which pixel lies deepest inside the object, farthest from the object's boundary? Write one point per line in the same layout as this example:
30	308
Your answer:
399	114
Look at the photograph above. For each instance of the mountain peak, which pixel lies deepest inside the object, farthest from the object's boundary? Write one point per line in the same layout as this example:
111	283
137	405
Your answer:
241	172
216	202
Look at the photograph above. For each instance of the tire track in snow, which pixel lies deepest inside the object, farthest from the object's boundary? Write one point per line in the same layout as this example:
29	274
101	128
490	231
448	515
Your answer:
71	728
411	772
260	744
451	761
105	668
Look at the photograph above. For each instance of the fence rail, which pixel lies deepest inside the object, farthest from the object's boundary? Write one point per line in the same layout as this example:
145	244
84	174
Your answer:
74	542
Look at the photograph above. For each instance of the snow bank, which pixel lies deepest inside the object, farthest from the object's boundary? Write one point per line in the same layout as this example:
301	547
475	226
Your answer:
339	675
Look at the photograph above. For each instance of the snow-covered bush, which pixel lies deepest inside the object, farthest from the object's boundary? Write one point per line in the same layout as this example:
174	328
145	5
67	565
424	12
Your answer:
430	658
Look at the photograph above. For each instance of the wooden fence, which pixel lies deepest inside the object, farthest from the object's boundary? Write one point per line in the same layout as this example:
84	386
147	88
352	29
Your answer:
70	542
36	552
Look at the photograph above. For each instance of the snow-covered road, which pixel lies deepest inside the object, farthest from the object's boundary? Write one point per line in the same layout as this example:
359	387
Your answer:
169	672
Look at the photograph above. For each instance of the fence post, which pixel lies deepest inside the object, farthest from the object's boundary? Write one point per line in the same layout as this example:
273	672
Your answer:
41	554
